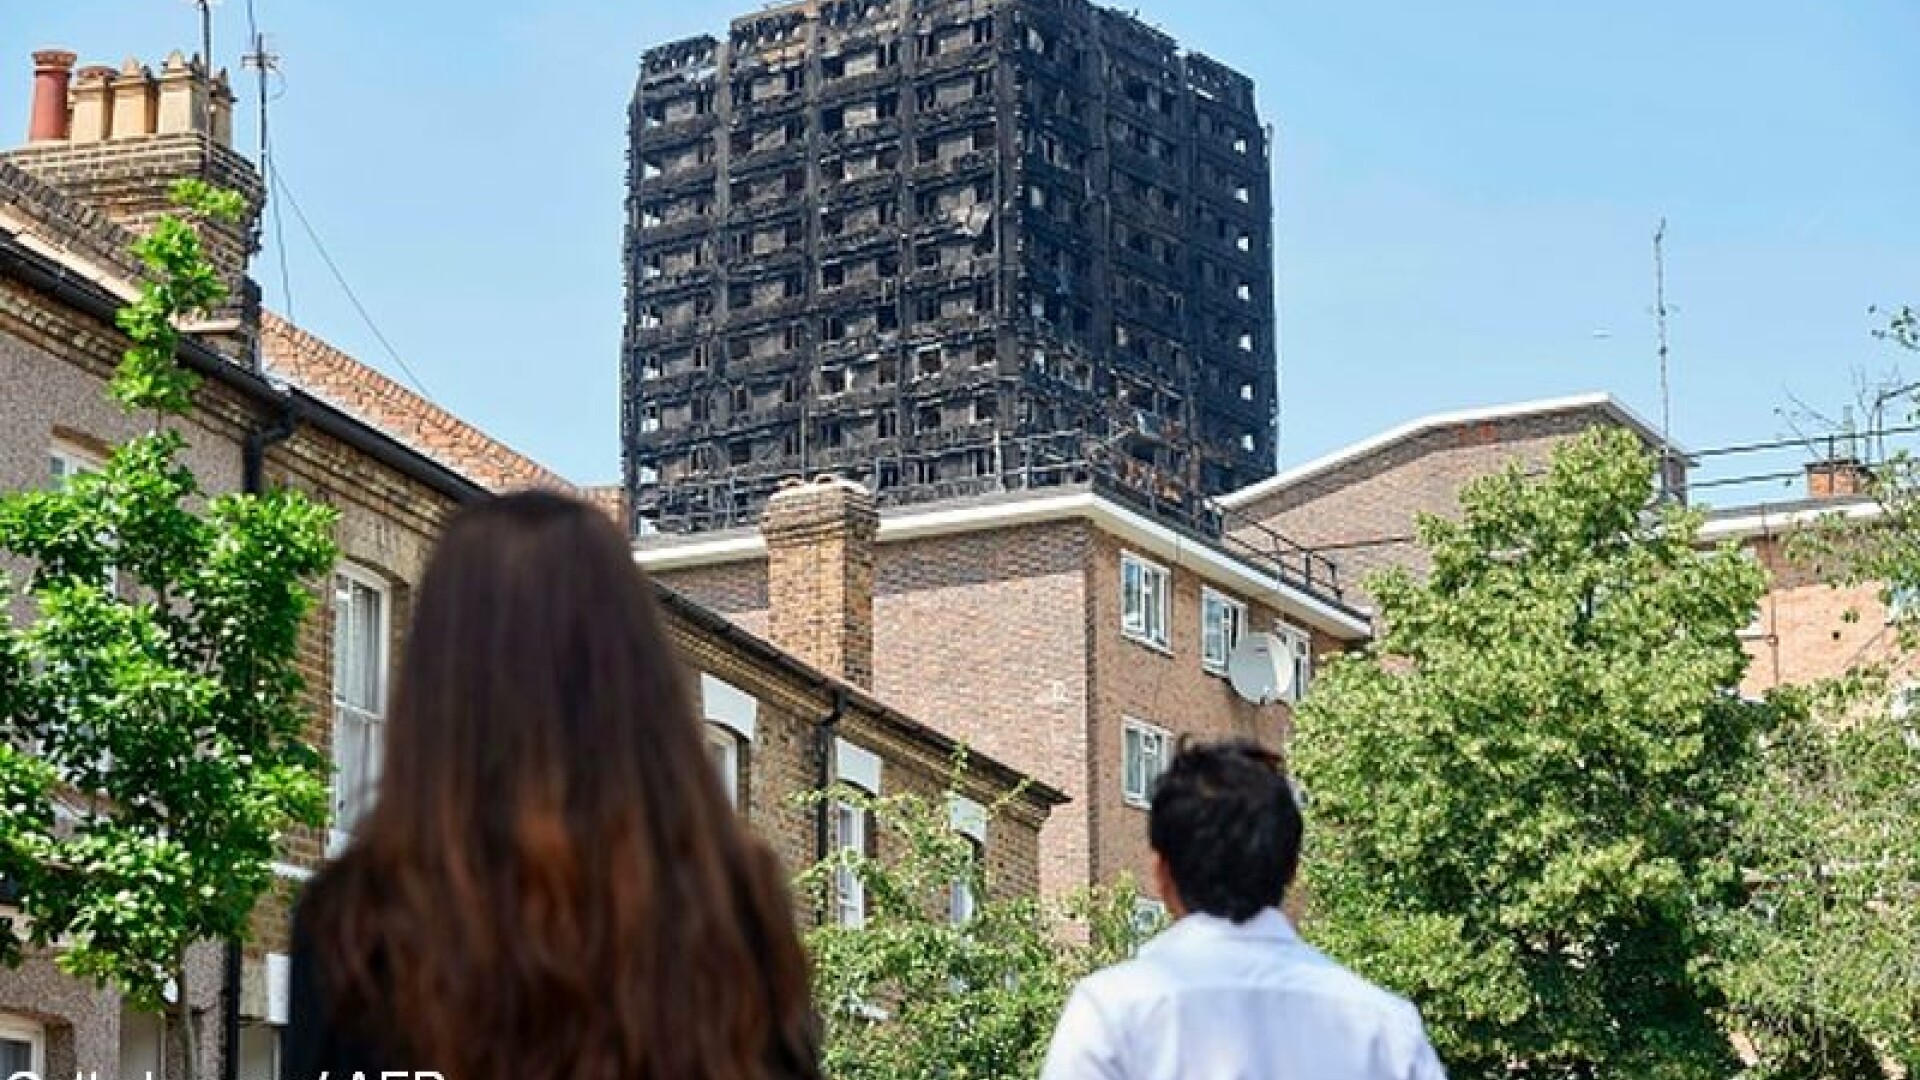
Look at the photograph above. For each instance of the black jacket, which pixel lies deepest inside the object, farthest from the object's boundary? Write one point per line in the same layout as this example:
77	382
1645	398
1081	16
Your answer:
318	1044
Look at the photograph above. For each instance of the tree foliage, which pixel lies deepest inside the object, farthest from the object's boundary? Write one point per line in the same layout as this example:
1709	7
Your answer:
914	994
1521	799
151	729
1822	964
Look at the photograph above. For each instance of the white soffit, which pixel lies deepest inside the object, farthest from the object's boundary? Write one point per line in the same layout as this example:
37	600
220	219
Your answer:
856	766
729	706
968	818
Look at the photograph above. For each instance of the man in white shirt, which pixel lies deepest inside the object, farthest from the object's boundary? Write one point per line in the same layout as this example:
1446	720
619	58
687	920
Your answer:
1230	992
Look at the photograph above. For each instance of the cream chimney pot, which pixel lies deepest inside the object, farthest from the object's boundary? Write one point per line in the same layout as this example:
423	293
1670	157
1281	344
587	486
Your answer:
133	102
181	90
92	104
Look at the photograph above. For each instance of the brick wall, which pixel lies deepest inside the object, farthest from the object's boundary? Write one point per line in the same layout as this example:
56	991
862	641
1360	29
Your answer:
73	227
784	760
58	361
985	636
1009	640
1171	690
1361	513
1809	630
736	590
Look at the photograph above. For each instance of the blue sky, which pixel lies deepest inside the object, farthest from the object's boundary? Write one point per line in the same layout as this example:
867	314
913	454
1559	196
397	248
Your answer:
1466	193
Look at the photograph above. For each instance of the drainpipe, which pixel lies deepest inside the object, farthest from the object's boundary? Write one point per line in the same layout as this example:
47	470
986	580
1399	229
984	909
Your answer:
230	1012
253	457
253	460
822	819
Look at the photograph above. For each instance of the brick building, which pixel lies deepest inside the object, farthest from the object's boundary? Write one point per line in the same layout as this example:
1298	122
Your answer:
1065	633
945	248
300	413
1357	505
1806	629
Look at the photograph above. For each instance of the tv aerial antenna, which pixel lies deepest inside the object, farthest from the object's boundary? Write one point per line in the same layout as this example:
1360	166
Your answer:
263	62
1660	313
206	101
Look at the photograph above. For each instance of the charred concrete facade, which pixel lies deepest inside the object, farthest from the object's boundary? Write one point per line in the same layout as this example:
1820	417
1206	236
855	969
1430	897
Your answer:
944	247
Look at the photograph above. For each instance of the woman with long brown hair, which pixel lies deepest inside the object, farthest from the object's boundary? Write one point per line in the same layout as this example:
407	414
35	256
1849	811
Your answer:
551	882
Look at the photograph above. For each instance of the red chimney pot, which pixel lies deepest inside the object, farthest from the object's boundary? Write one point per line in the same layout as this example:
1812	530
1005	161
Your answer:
52	73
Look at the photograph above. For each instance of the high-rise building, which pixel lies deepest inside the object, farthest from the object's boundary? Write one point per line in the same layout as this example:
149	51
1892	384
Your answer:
946	247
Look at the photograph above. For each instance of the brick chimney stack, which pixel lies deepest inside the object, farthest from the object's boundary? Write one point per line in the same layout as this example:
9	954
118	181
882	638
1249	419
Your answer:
1838	478
820	568
52	75
117	139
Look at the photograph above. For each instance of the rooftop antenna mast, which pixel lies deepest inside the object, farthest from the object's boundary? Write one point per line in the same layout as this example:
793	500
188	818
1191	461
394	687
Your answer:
1660	312
264	63
206	100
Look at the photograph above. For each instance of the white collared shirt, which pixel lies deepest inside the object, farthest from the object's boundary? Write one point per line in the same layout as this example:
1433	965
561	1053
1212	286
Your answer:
1208	1000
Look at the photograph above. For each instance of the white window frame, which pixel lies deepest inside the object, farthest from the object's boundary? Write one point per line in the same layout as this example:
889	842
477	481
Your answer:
849	888
732	717
1141	619
727	705
963	903
1212	603
724	748
969	819
376	720
16	1028
70	459
1140	795
1299	644
857	767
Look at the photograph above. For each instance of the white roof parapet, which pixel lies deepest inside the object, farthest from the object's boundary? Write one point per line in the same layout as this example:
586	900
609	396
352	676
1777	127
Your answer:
1749	521
1488	414
1147	535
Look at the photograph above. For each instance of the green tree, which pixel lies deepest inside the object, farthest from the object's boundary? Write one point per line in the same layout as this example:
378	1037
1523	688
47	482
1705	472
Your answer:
1822	964
916	994
151	748
1522	796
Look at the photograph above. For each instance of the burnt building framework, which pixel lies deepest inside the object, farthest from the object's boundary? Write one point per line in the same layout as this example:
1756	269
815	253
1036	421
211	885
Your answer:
945	247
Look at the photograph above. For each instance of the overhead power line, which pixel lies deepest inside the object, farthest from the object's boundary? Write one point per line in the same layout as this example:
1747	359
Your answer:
279	181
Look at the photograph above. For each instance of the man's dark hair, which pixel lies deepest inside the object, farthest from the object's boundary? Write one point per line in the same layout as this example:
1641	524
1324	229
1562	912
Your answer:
1225	820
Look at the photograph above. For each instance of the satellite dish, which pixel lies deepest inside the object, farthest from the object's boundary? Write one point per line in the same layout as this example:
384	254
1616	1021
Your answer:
1261	669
